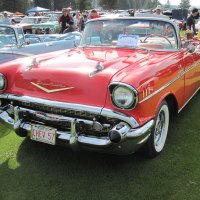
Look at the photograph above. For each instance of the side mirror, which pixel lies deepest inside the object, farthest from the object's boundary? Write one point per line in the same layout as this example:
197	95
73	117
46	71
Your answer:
191	48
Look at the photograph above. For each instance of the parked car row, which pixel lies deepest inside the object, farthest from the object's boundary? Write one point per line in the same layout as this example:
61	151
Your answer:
14	44
115	93
51	24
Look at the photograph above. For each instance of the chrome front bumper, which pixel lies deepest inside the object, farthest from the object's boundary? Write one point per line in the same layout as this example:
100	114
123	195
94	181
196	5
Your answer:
123	138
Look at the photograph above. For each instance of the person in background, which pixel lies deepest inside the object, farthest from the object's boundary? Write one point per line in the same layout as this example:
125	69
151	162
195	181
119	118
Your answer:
190	22
158	10
37	14
94	14
6	18
48	31
77	20
64	19
71	28
38	31
83	21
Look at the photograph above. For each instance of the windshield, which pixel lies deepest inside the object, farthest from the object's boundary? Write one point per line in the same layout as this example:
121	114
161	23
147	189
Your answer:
131	33
54	17
7	37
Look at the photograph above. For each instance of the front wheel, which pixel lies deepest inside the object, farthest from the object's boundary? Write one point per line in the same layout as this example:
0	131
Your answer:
157	139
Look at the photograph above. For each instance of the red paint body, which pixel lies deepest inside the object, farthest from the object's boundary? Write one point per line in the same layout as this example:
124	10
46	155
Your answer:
137	68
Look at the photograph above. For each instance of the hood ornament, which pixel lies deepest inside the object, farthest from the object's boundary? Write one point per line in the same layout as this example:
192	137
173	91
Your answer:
98	69
32	64
50	90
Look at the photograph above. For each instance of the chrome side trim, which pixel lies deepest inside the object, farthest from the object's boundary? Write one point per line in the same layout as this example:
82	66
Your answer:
170	82
188	100
78	107
17	53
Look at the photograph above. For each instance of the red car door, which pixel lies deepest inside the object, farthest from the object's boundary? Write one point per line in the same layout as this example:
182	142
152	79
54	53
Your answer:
192	70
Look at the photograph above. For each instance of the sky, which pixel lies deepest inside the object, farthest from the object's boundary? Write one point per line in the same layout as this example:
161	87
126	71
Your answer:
177	2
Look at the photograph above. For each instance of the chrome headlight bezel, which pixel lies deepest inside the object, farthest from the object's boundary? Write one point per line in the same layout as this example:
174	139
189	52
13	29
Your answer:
3	82
116	85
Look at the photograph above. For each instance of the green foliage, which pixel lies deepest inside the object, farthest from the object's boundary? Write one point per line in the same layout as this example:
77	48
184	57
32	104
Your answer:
185	4
84	4
14	5
108	4
23	5
44	3
129	4
167	5
35	171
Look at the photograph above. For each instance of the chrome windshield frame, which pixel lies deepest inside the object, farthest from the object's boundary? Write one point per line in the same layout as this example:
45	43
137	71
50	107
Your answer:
152	18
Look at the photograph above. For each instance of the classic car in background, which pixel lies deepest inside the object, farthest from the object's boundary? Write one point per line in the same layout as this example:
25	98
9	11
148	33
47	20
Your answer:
13	43
43	38
114	93
51	24
3	20
28	22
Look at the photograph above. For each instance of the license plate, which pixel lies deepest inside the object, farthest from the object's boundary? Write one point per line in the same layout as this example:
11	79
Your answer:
43	134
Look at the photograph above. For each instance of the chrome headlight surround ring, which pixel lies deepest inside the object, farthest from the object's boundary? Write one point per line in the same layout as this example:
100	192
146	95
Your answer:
114	86
3	82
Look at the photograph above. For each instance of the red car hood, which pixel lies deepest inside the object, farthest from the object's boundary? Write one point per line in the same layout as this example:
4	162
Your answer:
71	76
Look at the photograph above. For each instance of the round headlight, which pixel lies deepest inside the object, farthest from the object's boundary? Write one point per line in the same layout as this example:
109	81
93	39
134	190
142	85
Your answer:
2	82
124	97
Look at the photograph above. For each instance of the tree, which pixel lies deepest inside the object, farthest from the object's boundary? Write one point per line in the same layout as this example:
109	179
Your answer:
14	5
59	4
108	4
84	4
129	4
167	5
185	4
44	3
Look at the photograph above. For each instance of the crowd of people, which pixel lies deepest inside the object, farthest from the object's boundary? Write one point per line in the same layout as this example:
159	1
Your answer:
68	23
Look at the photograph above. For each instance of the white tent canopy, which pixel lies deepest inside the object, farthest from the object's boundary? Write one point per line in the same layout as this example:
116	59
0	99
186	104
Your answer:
38	9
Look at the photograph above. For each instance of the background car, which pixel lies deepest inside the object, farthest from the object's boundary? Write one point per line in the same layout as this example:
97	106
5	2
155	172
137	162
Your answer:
14	44
27	22
3	21
52	24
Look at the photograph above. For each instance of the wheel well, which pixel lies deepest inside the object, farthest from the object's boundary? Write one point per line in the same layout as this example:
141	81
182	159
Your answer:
172	104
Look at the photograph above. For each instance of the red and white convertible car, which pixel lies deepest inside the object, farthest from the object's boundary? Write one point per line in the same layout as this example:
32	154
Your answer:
114	93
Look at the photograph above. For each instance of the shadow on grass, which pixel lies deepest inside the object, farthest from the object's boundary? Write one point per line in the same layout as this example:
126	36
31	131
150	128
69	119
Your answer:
52	172
64	173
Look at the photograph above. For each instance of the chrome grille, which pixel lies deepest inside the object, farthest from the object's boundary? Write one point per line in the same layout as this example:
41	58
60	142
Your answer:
55	110
65	112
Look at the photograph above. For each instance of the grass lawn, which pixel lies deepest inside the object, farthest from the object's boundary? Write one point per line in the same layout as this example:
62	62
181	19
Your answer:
33	171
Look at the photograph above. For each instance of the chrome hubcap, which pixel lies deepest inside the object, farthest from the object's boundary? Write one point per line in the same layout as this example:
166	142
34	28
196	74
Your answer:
159	128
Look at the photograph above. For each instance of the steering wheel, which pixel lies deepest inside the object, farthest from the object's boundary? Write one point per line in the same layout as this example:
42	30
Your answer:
158	35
